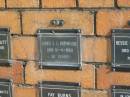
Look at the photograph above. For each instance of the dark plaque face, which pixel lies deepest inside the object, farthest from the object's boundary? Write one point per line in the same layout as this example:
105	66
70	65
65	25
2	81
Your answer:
4	46
121	49
5	88
121	91
55	89
59	48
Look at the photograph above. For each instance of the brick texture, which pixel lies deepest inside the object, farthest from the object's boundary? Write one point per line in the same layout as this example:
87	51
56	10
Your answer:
85	76
109	19
106	78
33	20
92	93
24	91
10	19
15	72
2	3
58	3
24	48
123	3
96	3
22	3
96	50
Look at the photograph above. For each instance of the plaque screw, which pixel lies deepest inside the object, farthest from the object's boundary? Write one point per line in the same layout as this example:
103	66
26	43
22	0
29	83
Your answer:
57	22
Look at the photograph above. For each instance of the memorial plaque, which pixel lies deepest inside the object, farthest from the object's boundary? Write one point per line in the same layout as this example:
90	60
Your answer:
59	48
4	46
120	91
59	89
121	49
5	88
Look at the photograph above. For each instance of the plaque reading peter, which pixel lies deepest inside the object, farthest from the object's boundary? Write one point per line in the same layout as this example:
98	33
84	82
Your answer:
121	49
4	46
59	48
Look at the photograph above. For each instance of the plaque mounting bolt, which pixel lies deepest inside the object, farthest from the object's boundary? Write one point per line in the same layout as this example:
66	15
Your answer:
57	22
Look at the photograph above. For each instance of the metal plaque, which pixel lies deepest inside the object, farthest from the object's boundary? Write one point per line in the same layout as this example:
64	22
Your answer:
59	89
121	49
5	88
59	48
120	91
5	53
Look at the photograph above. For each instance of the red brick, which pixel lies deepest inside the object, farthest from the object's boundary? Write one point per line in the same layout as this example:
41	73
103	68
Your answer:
15	72
106	78
86	76
96	50
109	19
24	91
58	3
96	3
123	3
94	93
24	48
33	20
10	19
22	3
2	3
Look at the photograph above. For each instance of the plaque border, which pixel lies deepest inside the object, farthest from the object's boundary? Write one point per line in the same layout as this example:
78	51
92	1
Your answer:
9	84
6	32
66	33
115	34
60	86
119	87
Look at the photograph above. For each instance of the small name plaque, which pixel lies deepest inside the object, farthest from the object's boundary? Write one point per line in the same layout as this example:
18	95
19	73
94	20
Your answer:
59	48
59	89
5	88
121	49
5	52
120	91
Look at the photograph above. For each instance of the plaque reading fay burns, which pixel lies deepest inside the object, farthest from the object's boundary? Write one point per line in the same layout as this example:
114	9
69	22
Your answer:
121	49
59	89
59	48
5	88
4	46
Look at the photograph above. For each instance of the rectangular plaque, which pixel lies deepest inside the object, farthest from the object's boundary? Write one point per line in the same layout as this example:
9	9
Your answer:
59	48
120	91
59	89
121	49
5	88
5	53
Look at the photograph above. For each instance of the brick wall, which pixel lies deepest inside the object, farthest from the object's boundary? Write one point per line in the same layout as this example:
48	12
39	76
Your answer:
95	18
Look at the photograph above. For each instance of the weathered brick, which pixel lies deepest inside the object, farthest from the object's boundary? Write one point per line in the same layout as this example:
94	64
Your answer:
24	91
96	3
22	3
86	76
58	3
106	78
33	20
24	48
2	3
15	72
123	3
94	93
109	19
96	49
10	19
